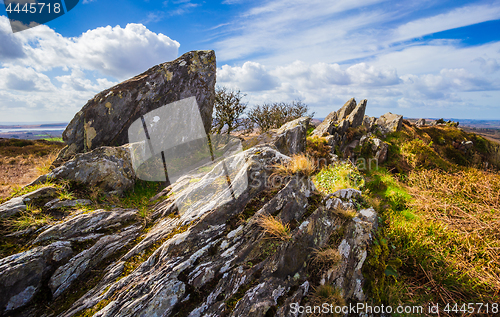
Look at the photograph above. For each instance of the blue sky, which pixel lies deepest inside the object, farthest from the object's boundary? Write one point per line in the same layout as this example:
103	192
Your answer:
416	58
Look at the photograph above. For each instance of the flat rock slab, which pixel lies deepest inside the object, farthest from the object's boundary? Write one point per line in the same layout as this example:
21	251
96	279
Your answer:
18	204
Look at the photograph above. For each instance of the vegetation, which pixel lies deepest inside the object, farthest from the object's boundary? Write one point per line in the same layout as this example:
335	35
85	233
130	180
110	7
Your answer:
273	115
228	109
274	227
338	176
439	237
299	164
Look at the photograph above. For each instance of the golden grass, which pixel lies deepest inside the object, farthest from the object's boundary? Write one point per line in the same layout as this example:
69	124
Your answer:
326	294
45	164
328	257
348	213
466	206
274	227
299	164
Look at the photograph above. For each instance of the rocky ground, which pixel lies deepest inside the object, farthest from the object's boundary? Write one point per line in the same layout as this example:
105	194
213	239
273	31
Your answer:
249	233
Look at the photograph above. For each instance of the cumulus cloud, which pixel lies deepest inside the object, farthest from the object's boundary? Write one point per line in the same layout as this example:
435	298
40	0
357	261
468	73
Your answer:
249	77
24	79
106	53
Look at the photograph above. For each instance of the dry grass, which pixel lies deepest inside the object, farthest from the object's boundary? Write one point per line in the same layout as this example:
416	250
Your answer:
274	227
45	163
347	214
326	294
299	164
328	257
466	205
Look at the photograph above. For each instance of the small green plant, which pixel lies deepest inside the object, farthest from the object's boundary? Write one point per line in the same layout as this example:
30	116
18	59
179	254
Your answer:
65	195
339	176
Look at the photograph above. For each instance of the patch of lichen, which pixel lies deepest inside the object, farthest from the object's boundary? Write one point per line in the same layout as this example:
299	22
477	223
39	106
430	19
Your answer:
233	300
94	309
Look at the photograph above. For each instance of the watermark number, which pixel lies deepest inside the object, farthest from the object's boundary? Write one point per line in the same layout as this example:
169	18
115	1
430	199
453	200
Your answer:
32	8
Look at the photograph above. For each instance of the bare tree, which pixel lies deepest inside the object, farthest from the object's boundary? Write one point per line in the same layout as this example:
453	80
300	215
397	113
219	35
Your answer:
273	115
228	109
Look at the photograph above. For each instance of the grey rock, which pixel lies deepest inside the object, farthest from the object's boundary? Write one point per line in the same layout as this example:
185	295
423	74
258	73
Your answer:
87	223
466	145
108	168
289	139
18	204
369	122
328	126
389	123
12	207
420	122
105	119
379	148
357	115
89	259
57	203
21	274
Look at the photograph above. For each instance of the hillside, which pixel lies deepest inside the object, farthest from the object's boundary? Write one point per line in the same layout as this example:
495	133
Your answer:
355	210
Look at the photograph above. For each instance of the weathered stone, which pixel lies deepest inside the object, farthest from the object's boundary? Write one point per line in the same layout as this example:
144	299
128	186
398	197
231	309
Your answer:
21	274
57	203
466	145
328	126
87	223
379	149
105	119
420	122
389	123
18	204
90	258
109	168
289	139
356	117
369	122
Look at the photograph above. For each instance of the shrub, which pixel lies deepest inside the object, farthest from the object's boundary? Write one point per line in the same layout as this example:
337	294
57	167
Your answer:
228	109
274	115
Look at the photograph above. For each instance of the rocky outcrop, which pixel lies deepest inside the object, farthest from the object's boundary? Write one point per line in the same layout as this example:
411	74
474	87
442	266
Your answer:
108	168
420	122
18	204
90	258
389	123
289	139
21	275
105	119
377	148
213	258
87	225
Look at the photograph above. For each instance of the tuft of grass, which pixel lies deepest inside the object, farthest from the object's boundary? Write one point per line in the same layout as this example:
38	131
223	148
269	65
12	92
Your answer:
45	164
32	217
327	257
325	294
65	195
299	164
339	176
345	213
274	227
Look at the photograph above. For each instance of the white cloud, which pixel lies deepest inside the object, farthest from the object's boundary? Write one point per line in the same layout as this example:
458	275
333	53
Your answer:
113	51
464	16
488	65
105	53
24	79
250	77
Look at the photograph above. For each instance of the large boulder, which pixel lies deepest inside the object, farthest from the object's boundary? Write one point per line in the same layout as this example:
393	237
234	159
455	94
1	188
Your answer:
108	168
22	274
356	117
289	139
105	119
389	123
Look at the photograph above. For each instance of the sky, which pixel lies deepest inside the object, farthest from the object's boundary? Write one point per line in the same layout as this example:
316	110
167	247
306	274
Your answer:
423	58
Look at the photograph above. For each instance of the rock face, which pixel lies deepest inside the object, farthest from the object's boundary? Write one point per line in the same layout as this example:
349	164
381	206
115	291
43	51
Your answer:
105	119
109	168
389	122
18	204
21	274
420	122
289	139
